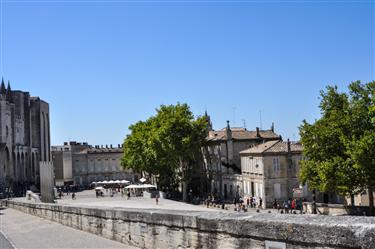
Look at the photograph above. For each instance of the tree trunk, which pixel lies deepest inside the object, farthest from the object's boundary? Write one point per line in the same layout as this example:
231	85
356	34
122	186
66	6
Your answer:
184	192
371	201
183	182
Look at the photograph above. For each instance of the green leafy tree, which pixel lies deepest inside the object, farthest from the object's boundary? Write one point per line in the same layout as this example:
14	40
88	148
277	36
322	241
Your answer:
339	147
167	145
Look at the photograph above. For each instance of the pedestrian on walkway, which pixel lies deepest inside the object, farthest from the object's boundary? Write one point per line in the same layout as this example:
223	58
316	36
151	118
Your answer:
74	196
274	205
157	200
293	204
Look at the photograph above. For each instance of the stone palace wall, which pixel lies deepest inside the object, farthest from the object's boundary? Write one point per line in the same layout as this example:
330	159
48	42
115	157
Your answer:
155	228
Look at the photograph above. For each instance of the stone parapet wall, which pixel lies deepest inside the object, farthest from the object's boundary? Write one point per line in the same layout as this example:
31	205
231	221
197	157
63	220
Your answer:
155	228
335	209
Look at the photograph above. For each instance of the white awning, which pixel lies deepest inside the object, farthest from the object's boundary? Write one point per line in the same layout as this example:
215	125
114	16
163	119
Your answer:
140	186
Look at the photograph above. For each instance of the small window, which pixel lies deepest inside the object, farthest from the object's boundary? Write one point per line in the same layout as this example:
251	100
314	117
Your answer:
276	164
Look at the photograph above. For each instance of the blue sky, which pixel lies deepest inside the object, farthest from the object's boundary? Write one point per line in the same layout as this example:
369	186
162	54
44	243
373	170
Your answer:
104	65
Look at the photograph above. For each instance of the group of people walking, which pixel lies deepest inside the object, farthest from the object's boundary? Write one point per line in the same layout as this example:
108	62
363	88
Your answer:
252	202
288	206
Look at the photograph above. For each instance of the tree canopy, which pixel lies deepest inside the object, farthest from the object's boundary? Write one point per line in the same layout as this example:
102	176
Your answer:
339	148
166	145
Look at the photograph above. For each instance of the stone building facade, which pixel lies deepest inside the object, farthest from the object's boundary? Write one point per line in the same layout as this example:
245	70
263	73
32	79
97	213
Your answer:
24	139
270	171
222	160
62	157
81	164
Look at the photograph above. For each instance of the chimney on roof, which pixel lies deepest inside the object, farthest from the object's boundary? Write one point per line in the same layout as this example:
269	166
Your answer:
258	134
273	127
290	161
228	131
106	146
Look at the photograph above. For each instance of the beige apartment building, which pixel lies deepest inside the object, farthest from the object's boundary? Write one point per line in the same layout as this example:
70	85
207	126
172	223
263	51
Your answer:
222	159
270	171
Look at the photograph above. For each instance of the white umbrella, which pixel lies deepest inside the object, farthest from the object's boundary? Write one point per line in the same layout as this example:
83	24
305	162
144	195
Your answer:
124	181
148	186
94	182
104	182
142	179
100	182
111	182
117	181
99	188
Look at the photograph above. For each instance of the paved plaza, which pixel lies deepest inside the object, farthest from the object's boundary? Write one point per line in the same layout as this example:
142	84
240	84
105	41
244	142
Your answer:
87	198
28	231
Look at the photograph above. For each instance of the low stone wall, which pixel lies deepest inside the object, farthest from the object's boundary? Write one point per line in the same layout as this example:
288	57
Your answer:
335	209
155	228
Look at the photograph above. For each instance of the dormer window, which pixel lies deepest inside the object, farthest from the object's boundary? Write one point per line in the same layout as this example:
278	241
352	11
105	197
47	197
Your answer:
276	164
